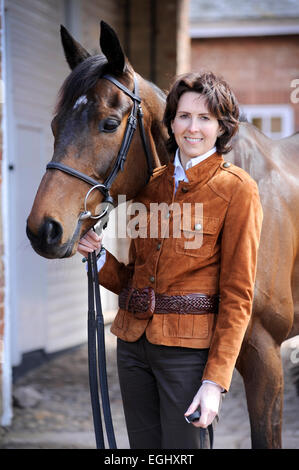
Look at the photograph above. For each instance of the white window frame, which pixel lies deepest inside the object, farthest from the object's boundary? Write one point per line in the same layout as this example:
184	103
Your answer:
266	112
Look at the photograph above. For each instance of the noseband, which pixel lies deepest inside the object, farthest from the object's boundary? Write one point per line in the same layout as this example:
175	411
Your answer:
136	116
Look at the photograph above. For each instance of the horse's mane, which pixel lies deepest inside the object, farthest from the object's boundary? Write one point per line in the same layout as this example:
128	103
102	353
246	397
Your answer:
157	90
80	81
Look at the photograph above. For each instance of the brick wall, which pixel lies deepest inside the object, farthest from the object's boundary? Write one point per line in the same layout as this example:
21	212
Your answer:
110	11
260	70
158	41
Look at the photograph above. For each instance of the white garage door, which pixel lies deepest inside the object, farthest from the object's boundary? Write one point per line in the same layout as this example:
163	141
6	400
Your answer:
48	299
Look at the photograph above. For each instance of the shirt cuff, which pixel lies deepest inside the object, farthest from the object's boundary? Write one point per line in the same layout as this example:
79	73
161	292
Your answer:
214	383
101	259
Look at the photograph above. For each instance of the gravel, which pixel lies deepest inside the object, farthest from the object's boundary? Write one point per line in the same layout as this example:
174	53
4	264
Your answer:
54	410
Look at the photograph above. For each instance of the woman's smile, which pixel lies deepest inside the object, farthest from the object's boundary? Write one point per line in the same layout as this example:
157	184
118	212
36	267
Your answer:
193	140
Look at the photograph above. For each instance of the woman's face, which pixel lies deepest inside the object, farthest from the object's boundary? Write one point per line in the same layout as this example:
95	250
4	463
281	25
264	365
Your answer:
194	127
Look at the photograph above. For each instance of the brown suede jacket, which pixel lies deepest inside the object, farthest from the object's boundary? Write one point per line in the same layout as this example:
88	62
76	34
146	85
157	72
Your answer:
222	259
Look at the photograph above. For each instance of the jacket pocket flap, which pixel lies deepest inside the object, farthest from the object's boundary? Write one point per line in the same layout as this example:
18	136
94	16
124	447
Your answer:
208	225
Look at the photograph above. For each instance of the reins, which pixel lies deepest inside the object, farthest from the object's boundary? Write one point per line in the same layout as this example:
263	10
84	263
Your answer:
97	359
96	328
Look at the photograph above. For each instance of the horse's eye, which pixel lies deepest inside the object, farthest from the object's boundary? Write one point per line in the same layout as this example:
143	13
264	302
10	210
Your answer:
109	125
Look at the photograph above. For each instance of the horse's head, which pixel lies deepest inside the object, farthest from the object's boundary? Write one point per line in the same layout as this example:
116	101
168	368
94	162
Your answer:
89	127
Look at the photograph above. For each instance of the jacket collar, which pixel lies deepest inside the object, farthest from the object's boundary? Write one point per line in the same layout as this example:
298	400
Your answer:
201	172
193	161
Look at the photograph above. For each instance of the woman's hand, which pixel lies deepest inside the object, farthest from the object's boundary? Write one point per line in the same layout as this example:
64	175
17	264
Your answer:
89	243
208	399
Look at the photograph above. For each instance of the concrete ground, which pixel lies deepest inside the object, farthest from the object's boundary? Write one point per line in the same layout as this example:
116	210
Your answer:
61	417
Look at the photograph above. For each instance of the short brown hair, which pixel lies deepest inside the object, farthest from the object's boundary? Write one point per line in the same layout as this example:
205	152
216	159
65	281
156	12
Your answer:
220	100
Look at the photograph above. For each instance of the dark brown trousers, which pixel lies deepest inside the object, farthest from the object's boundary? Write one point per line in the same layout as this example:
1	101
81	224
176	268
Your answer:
158	384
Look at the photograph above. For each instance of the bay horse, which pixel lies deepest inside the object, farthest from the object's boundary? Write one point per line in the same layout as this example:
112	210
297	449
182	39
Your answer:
88	129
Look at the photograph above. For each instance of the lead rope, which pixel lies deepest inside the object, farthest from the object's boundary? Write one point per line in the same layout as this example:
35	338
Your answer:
202	436
97	358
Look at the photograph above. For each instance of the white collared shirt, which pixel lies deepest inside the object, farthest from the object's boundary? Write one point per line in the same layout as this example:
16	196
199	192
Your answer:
179	172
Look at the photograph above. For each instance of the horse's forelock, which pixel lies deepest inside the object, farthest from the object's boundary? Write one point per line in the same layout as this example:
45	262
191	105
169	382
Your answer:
80	81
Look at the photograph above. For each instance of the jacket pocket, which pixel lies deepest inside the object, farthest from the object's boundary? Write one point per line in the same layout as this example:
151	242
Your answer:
198	238
186	326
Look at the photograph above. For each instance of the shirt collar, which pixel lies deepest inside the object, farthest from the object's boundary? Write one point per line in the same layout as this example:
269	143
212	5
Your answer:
193	161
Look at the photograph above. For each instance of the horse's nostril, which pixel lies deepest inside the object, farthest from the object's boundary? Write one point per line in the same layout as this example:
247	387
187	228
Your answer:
47	241
51	232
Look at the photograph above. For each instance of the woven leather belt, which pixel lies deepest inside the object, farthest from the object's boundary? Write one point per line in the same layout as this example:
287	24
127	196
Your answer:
144	303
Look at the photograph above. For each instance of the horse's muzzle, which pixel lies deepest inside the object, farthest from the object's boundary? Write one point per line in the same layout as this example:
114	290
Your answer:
47	241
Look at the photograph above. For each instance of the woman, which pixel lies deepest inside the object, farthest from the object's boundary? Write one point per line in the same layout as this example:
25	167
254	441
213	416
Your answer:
185	299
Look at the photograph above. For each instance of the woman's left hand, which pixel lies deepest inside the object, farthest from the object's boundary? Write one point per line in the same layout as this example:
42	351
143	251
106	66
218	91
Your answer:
208	399
89	243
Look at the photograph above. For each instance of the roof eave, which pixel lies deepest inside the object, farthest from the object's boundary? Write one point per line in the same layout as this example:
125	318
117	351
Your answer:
215	30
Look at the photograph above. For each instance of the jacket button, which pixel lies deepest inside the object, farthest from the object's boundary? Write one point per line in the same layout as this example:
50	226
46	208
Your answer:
184	190
158	246
152	279
197	227
226	164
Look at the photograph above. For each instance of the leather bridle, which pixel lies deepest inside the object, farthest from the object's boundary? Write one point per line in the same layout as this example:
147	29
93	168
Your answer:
136	116
96	331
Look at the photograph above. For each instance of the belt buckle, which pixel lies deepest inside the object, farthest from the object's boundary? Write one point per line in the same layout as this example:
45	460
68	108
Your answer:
151	304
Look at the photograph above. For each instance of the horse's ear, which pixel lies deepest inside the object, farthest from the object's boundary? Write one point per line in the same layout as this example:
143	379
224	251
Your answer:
73	51
111	48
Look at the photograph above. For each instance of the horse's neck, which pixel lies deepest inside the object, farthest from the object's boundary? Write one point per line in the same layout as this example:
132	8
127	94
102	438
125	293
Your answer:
251	151
160	137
